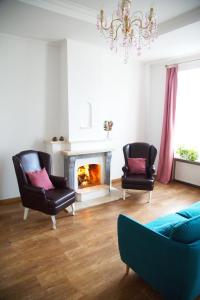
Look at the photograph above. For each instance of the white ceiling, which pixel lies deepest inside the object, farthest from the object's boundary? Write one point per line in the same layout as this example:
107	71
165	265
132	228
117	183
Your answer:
179	31
166	9
178	43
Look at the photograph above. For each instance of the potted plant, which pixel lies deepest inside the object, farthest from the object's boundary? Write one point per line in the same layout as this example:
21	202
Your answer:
187	154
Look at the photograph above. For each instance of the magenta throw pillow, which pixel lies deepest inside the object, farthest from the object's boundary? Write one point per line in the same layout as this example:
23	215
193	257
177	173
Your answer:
40	179
137	165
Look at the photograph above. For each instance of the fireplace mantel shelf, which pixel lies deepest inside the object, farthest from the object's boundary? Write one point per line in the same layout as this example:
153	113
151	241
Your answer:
75	153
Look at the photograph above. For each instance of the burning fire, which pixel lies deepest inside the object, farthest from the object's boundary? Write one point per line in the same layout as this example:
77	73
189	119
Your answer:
88	175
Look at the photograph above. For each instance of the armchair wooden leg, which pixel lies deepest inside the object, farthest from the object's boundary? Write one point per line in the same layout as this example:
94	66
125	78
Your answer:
127	269
53	218
124	194
26	210
73	209
66	209
150	196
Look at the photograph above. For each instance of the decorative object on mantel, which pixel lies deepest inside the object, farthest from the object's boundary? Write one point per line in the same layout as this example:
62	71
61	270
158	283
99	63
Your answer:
61	138
55	139
108	127
128	29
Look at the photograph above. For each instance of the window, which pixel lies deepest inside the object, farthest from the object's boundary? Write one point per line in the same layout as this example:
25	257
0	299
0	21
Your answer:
187	131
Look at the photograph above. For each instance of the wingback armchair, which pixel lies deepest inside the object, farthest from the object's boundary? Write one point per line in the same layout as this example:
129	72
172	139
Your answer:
139	181
47	201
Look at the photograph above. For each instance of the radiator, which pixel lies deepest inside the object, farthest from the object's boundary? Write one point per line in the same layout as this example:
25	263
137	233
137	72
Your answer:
187	171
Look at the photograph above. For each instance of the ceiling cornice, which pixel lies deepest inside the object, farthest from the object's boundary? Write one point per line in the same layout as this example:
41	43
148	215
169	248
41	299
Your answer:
179	21
70	9
84	13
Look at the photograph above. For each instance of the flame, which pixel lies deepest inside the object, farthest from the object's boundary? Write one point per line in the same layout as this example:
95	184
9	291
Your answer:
83	170
88	175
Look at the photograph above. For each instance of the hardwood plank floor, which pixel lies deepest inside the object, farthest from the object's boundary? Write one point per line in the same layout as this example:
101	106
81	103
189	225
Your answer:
79	260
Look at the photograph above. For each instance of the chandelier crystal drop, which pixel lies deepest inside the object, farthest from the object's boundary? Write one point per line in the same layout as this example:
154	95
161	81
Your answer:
128	30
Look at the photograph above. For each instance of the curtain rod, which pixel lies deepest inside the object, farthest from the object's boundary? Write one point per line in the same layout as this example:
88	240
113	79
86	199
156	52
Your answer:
182	62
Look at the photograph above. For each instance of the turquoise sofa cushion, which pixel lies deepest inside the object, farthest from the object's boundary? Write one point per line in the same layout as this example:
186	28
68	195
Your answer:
169	219
165	229
187	231
190	212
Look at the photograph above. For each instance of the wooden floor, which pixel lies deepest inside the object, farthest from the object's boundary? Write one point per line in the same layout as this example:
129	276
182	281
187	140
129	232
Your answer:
79	260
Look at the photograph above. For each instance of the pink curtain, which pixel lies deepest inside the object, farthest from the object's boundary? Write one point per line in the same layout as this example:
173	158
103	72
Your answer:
167	140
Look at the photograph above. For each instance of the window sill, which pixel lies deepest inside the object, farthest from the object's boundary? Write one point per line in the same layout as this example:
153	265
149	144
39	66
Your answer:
187	161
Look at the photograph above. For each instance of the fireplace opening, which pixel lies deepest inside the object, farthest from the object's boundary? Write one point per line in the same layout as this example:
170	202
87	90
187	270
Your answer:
89	175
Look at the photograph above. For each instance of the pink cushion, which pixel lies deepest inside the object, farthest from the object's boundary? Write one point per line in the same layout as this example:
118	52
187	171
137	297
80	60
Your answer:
40	179
137	165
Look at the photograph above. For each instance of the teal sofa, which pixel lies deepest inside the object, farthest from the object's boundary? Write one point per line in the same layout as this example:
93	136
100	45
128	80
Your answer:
165	252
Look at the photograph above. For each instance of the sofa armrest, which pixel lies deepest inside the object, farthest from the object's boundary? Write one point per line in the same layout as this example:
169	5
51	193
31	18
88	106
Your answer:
58	182
158	259
136	241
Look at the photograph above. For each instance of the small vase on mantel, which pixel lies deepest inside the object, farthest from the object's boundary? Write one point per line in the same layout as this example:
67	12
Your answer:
108	135
108	127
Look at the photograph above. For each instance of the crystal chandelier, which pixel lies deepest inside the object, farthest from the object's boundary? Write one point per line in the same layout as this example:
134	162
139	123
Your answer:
128	30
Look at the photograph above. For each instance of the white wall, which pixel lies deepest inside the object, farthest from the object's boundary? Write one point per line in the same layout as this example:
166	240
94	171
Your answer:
36	89
63	89
115	91
29	102
155	103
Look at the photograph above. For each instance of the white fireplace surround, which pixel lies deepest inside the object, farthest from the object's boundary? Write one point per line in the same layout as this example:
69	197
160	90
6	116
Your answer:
79	146
99	152
74	148
75	159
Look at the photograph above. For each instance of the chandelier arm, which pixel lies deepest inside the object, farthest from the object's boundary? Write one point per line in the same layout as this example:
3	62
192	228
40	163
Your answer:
109	27
140	25
144	36
117	31
134	15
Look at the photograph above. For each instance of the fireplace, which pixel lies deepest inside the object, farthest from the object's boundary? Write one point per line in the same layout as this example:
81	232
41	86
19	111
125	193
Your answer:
88	173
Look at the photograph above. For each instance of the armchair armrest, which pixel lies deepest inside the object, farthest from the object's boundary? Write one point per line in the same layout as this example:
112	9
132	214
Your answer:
34	197
125	170
58	181
134	239
151	171
34	189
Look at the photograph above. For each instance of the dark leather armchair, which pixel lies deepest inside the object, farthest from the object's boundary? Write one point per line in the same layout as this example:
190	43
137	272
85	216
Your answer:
47	201
139	181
